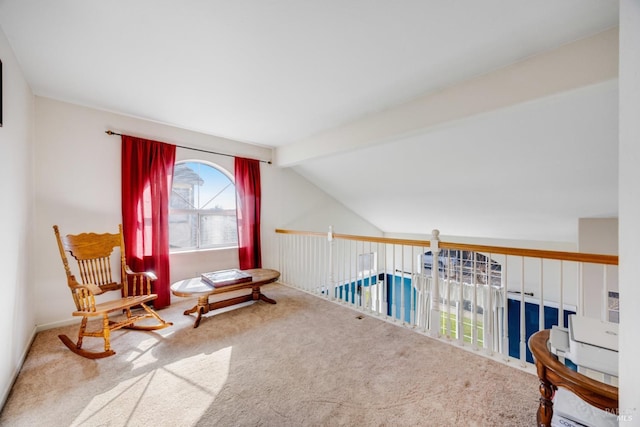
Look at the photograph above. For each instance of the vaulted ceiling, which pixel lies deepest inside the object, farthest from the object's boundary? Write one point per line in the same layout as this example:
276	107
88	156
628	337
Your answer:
489	118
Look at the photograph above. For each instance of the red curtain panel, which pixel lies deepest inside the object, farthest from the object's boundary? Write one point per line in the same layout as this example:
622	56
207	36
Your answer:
247	175
147	173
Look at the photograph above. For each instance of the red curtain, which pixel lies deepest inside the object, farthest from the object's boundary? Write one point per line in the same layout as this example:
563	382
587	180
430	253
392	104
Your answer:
147	172
247	175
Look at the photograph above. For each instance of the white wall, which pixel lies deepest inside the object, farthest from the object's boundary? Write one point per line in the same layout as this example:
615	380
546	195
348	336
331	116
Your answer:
629	195
17	311
297	204
78	188
598	236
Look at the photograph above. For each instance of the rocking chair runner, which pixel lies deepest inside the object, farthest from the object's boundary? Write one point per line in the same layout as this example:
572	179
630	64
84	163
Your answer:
94	253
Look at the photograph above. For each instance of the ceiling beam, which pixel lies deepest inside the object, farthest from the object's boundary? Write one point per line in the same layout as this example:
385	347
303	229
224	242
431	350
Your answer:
571	66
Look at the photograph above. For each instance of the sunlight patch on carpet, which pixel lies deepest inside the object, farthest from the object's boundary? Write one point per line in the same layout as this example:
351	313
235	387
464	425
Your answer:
141	355
187	386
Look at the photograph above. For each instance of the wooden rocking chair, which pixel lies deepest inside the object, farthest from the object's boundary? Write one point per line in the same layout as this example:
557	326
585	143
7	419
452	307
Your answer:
94	253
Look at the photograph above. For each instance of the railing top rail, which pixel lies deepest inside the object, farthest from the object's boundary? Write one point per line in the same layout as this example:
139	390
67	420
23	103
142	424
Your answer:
533	253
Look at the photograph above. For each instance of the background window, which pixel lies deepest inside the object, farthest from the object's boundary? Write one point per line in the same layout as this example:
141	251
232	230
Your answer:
202	212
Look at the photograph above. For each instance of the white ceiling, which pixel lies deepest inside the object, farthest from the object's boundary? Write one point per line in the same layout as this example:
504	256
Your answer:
278	72
503	174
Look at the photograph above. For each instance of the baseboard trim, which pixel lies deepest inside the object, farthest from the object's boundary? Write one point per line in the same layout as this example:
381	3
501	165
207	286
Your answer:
57	324
18	368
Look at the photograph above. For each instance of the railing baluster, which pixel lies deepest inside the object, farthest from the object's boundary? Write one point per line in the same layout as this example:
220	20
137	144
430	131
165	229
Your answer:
541	306
321	268
316	282
299	277
394	294
331	274
360	277
289	265
354	277
402	292
304	272
338	250
605	295
385	288
488	332
378	307
460	305
373	277
523	330
296	262
505	308
299	269
561	307
434	313
352	249
413	290
346	271
313	279
307	271
474	305
447	284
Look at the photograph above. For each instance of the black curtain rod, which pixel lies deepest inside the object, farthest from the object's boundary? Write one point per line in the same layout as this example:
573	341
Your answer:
110	132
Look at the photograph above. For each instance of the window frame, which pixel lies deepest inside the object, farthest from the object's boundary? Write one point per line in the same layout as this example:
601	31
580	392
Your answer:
201	212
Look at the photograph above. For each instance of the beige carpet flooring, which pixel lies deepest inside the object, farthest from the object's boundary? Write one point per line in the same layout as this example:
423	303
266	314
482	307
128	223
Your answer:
301	362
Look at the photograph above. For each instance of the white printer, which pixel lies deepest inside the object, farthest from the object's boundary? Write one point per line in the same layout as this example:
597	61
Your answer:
591	344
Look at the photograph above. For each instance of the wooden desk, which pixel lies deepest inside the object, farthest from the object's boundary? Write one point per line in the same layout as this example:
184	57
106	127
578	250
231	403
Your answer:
196	287
553	374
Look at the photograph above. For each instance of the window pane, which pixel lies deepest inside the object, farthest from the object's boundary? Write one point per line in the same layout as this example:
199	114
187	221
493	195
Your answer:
183	231
218	229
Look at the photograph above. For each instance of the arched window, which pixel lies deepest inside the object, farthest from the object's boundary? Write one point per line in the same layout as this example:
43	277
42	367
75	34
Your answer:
470	267
202	213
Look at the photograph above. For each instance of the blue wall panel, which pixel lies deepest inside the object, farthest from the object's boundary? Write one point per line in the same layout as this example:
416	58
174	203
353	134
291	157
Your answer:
352	292
395	286
531	321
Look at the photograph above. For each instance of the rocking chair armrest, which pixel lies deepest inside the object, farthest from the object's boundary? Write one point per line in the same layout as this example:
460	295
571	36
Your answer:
141	283
84	297
93	289
147	274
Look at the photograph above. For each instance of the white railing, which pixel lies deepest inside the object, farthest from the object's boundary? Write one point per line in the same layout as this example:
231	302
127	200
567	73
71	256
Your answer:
488	297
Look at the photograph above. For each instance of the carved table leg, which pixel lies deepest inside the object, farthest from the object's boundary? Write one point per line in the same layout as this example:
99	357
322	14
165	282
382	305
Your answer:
257	295
197	322
265	298
545	409
191	310
201	308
